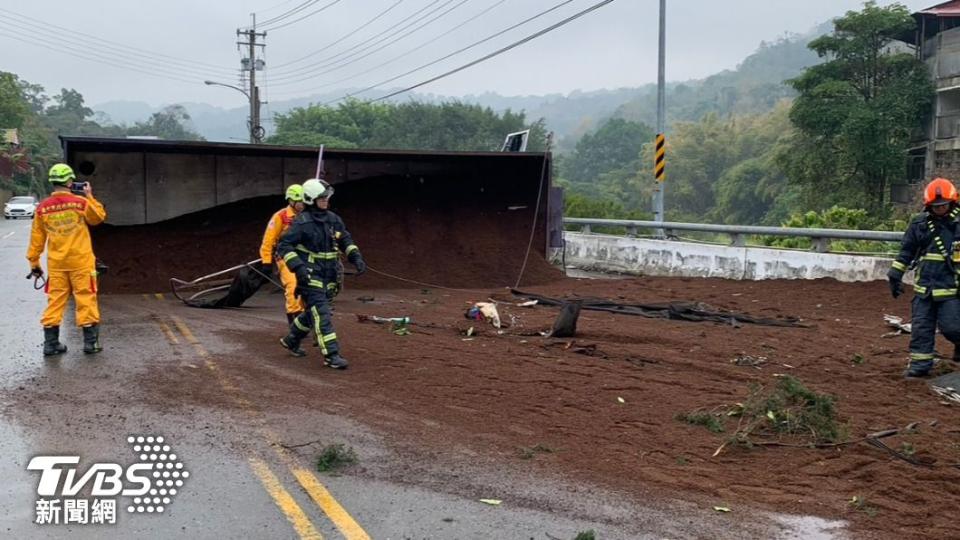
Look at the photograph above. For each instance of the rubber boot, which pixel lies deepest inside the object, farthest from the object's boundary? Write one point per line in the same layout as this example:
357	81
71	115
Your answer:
91	339
918	369
336	361
51	341
291	342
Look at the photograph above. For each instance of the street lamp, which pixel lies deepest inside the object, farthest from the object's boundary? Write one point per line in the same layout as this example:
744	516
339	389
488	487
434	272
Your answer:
256	130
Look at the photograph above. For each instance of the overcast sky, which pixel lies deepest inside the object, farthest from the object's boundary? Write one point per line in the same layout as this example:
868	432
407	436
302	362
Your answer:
112	49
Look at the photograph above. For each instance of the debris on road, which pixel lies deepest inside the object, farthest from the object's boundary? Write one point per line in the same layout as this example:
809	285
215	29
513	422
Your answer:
566	323
484	311
896	322
684	311
748	360
947	387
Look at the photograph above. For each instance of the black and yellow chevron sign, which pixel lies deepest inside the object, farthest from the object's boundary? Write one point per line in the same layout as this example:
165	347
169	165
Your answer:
660	159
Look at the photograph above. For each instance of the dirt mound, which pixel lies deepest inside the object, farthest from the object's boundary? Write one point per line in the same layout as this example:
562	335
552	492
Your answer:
433	233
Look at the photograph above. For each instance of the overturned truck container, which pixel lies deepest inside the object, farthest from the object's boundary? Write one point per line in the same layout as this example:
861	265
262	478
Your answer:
454	219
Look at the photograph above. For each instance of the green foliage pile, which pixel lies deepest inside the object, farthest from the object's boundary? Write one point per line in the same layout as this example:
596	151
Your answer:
788	408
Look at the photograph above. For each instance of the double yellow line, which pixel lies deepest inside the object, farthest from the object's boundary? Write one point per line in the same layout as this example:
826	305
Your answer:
320	495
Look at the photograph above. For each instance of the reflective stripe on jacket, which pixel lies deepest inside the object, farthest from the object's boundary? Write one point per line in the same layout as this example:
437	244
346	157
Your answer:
315	240
928	244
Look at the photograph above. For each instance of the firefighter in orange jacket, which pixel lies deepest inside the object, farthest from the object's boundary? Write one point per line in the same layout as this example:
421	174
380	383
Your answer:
278	225
61	225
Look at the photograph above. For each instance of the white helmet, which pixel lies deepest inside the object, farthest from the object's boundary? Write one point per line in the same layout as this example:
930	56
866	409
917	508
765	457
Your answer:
314	189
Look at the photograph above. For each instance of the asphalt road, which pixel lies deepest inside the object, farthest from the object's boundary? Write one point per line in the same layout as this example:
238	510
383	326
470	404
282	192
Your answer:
172	372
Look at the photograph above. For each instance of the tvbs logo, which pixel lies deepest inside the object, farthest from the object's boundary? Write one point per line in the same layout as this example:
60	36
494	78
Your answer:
152	483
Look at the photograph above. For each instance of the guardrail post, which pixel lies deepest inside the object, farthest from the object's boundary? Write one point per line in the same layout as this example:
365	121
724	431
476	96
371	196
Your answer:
821	245
738	240
585	228
632	232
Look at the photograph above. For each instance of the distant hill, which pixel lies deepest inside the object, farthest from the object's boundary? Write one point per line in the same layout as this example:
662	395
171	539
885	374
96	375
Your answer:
755	86
574	113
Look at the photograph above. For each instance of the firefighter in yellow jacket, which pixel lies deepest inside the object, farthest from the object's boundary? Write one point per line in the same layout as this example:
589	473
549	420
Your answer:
279	223
61	226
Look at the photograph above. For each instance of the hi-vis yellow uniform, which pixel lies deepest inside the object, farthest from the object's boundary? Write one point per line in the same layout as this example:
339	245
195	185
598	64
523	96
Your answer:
279	223
61	225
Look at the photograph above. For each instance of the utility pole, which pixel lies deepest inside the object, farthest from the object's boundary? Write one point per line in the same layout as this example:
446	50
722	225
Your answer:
251	64
660	163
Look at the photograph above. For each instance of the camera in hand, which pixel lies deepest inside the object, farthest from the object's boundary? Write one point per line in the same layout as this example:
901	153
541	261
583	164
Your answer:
77	188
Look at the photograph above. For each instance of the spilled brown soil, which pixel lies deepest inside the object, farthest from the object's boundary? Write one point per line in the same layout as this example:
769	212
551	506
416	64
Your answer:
504	394
477	242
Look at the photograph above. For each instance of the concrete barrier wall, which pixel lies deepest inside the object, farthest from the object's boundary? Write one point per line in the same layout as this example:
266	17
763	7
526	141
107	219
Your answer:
638	256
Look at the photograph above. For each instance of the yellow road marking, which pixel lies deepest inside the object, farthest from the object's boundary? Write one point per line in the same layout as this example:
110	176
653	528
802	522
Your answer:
159	296
301	523
168	332
320	495
185	331
191	339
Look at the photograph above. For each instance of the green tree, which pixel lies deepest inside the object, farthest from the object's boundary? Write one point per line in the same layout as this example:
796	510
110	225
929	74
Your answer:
857	111
616	144
14	109
414	125
752	188
172	123
68	115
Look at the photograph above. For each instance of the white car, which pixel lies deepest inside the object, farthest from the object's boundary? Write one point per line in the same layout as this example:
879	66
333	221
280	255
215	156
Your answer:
18	207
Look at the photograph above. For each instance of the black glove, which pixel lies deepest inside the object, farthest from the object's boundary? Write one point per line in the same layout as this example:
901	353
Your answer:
265	268
303	276
896	287
357	261
35	272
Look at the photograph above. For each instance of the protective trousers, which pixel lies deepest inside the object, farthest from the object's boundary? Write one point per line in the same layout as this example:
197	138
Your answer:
288	279
317	318
83	285
927	315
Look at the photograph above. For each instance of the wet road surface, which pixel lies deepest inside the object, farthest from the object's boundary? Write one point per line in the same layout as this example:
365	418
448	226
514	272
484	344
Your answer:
173	372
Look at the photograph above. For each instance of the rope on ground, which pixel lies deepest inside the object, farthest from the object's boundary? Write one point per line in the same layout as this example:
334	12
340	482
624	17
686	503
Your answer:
415	282
536	211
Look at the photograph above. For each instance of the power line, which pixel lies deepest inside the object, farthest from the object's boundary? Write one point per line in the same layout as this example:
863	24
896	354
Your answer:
348	34
275	6
69	33
344	62
112	54
298	8
320	63
410	51
19	37
491	55
308	15
468	47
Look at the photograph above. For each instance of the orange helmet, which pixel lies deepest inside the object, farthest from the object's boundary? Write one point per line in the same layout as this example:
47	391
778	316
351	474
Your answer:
940	191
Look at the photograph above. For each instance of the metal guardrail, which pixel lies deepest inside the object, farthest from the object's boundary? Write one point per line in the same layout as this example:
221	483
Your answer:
738	233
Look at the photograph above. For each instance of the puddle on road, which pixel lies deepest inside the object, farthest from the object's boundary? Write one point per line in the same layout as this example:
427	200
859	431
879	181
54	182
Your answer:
809	528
